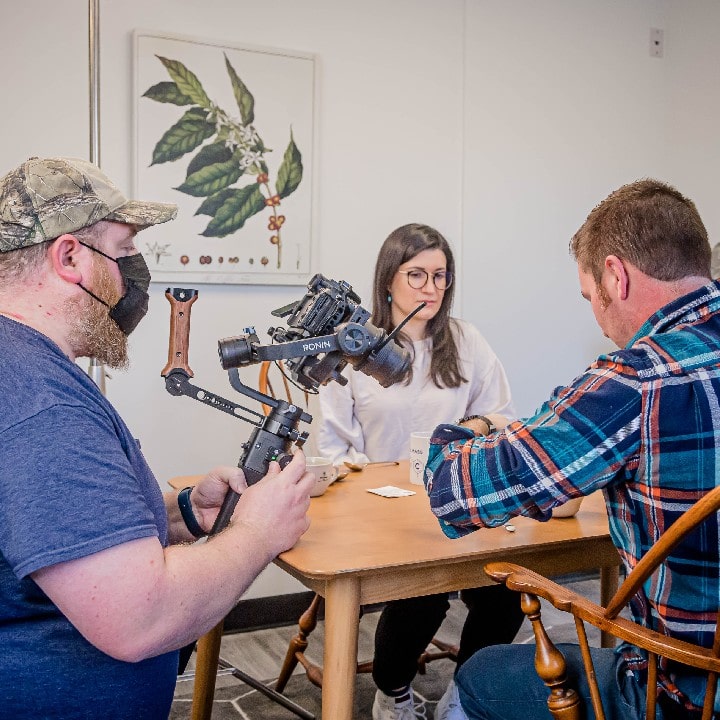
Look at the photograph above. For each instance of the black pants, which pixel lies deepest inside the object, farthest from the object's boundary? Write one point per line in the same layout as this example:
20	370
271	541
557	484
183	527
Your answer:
184	657
406	627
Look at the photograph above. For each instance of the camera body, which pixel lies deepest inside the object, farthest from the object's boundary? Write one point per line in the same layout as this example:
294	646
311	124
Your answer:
325	305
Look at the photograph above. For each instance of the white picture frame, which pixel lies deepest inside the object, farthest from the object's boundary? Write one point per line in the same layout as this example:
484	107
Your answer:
226	132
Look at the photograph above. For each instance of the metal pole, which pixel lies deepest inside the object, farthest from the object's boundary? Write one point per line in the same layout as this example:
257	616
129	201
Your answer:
94	66
96	370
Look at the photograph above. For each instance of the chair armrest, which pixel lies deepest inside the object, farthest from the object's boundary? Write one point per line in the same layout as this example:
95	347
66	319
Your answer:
523	580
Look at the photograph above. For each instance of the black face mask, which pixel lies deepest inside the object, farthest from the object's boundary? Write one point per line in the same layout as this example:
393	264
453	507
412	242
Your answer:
132	307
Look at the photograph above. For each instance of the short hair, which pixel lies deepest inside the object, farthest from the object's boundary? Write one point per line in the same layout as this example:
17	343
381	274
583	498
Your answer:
18	266
650	224
92	234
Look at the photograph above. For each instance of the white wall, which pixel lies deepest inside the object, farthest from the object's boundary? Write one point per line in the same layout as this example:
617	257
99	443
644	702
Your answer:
502	122
692	104
563	105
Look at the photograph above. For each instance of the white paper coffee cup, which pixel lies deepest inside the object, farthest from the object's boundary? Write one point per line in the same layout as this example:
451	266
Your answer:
324	471
419	449
568	509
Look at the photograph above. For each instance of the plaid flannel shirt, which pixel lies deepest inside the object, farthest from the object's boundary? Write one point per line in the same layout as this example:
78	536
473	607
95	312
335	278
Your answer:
643	425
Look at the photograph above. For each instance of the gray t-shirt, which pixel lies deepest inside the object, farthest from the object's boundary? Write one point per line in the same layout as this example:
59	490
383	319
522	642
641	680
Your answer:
72	482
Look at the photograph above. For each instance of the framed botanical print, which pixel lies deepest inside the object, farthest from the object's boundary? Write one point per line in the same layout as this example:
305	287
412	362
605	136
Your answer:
226	132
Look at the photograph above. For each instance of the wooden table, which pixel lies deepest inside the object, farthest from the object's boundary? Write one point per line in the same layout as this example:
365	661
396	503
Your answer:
362	548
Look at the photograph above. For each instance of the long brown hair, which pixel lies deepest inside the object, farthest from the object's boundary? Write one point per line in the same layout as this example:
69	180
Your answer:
399	247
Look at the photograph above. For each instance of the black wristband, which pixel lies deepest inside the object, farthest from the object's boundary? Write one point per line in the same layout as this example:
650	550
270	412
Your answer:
187	513
467	418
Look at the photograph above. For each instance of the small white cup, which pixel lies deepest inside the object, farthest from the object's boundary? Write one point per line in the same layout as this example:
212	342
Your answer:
419	448
324	471
568	509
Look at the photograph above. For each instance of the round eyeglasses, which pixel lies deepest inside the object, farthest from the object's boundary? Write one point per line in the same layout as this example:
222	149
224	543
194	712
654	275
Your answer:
417	278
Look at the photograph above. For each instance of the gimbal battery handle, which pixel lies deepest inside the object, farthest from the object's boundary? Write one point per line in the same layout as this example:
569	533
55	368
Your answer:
271	441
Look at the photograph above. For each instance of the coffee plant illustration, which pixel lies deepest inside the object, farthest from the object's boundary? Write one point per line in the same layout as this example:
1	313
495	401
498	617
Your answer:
231	151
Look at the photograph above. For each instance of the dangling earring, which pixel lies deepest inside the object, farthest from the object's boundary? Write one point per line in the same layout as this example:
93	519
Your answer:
389	298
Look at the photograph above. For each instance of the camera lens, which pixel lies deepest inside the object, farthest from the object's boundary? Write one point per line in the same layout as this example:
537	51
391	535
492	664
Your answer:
388	366
234	352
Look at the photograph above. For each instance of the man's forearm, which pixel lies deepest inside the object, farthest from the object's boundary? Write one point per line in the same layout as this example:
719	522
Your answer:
146	599
202	583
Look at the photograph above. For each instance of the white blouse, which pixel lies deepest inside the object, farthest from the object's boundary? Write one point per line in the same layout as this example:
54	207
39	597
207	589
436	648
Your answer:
364	422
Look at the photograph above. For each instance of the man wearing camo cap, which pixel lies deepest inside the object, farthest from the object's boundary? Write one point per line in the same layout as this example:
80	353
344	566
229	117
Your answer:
97	589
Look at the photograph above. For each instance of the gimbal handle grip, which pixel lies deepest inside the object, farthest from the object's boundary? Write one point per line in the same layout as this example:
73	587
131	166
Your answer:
226	512
181	300
231	498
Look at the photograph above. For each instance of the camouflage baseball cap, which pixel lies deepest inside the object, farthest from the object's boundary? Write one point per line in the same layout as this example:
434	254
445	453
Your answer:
48	197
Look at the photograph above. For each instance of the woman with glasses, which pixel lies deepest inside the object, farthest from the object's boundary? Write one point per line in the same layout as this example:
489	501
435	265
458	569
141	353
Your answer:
454	374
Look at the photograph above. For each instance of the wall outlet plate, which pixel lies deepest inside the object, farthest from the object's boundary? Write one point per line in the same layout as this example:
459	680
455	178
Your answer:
657	43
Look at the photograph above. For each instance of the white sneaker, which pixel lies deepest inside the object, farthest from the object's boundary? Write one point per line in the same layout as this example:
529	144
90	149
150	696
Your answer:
386	707
449	707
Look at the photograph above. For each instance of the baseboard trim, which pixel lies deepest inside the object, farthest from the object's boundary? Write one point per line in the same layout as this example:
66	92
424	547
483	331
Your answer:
275	611
282	610
267	612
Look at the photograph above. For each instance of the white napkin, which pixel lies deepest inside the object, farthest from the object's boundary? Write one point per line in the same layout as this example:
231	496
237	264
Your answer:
390	491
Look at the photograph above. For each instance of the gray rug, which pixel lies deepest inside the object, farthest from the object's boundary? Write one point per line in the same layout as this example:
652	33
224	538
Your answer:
240	701
259	654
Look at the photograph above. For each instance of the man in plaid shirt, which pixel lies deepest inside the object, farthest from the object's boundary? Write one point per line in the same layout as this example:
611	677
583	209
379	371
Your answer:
641	423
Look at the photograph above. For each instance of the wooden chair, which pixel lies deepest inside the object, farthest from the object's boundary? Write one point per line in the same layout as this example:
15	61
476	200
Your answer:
308	620
298	644
563	701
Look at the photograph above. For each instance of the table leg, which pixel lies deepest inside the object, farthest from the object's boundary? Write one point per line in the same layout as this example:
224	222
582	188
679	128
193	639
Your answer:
609	579
342	614
206	667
